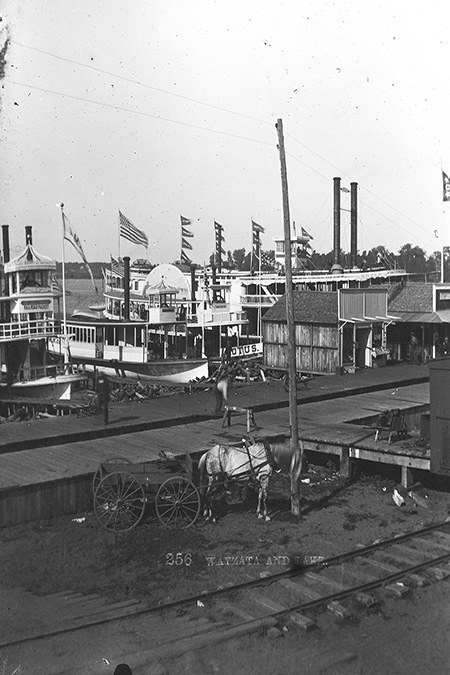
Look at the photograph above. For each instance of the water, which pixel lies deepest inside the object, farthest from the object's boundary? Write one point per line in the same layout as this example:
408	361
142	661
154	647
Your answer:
81	294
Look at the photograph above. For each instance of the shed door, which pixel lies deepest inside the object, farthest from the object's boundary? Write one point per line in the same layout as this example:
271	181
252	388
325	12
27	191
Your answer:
362	342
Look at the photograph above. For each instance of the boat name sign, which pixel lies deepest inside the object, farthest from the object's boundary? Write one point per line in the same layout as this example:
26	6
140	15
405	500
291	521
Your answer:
247	350
35	306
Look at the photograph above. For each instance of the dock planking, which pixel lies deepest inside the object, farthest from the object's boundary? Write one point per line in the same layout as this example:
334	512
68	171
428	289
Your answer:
323	426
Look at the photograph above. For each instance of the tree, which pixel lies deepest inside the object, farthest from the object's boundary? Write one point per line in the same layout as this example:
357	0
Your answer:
239	256
413	259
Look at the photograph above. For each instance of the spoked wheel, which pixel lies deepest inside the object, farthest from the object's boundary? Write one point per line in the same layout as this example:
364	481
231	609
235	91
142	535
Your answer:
177	502
114	462
119	502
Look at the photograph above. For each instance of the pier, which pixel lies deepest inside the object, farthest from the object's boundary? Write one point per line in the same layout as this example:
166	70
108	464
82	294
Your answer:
46	465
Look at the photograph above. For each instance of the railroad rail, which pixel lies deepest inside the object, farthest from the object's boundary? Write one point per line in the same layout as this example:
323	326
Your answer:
347	584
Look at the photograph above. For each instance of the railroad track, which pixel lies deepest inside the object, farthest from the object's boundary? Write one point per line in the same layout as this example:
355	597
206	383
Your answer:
346	585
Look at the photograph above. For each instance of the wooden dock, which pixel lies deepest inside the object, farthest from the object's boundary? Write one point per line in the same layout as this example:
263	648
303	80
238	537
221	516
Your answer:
43	482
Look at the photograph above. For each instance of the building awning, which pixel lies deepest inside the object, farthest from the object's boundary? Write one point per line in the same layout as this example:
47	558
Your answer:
372	319
443	316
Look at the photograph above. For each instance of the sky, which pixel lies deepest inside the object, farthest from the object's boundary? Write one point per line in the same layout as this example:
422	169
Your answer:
167	108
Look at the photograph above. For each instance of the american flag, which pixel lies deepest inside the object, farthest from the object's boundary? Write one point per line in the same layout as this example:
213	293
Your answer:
268	260
55	286
129	231
117	267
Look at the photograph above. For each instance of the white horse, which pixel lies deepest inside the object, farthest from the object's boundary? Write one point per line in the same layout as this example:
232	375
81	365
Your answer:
254	462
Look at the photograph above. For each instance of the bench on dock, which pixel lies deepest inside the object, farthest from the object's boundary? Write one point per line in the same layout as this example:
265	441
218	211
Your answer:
232	409
390	422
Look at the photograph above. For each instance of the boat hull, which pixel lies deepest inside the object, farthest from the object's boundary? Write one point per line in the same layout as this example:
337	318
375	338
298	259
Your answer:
59	387
171	370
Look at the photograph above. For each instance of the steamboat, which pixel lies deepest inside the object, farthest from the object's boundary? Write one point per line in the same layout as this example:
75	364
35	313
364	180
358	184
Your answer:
29	311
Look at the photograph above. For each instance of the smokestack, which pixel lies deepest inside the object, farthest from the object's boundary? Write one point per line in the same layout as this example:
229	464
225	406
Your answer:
337	269
28	235
193	288
126	288
6	253
214	280
353	224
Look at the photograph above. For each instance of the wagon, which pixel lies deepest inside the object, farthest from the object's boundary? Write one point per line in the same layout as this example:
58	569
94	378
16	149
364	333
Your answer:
122	490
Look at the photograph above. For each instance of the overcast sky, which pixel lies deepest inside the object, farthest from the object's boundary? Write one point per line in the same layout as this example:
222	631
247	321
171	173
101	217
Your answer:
167	108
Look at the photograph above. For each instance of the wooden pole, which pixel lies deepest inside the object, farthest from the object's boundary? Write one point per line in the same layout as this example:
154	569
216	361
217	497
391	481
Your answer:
297	454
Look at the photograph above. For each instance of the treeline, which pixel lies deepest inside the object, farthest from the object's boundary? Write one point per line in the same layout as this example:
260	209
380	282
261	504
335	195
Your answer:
412	259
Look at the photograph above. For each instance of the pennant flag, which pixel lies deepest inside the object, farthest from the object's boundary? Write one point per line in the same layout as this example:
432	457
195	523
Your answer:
305	234
117	267
185	259
446	185
128	231
219	252
257	228
73	238
185	222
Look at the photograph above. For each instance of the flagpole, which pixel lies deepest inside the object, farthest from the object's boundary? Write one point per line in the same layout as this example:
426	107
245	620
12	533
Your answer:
66	355
118	239
260	289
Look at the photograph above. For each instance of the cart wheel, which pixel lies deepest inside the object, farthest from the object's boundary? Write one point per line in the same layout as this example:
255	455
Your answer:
177	502
115	462
119	502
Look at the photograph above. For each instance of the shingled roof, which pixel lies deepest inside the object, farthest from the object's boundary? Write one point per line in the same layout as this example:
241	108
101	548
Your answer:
320	307
410	298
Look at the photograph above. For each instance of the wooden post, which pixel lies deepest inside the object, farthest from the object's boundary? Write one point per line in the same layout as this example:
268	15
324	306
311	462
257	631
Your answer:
297	454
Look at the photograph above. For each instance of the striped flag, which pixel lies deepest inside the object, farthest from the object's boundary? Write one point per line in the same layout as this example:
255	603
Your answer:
129	231
117	267
55	286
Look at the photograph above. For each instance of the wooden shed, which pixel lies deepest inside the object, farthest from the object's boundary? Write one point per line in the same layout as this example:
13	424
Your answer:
316	333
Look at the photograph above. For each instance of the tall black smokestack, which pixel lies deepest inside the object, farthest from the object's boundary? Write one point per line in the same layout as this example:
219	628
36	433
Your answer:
5	234
193	287
214	280
353	224
28	235
126	288
336	226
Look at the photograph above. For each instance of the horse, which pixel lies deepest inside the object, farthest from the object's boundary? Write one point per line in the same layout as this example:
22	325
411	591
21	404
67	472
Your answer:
254	462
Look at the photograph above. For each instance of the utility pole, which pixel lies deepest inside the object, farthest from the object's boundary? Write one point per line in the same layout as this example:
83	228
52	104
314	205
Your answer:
297	452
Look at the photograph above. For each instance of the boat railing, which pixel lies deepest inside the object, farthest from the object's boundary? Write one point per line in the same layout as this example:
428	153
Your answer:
26	374
41	328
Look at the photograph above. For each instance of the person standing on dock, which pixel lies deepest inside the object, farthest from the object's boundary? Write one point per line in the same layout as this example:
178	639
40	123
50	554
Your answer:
103	396
221	388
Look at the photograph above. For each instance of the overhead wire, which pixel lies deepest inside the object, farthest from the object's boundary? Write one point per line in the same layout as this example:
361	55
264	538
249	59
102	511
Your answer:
139	112
194	126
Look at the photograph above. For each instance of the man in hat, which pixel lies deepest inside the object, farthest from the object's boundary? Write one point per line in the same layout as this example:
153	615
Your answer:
103	396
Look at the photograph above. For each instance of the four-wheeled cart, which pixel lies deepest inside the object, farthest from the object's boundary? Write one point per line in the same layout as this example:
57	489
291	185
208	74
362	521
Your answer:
122	491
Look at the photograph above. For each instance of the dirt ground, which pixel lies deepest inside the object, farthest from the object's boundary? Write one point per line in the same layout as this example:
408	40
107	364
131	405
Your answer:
47	557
